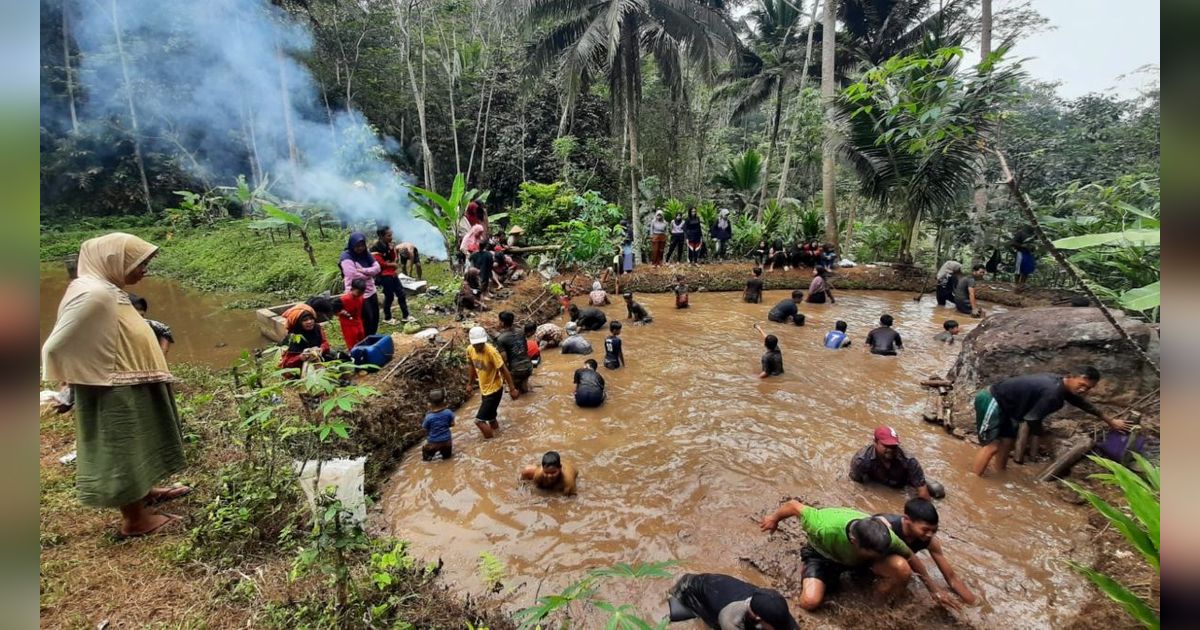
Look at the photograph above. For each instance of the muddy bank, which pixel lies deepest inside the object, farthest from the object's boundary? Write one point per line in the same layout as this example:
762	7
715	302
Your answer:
732	276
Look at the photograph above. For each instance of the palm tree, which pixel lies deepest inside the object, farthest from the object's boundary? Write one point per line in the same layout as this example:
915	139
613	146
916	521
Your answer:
742	176
915	131
766	68
584	39
877	30
828	164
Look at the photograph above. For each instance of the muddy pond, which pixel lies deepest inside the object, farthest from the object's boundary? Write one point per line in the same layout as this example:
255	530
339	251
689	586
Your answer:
691	449
205	331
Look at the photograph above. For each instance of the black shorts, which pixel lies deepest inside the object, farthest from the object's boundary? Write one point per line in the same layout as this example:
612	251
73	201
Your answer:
521	380
433	448
589	397
963	307
488	406
822	568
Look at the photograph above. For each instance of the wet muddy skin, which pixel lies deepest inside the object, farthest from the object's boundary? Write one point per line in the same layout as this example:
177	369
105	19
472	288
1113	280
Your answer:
691	449
205	331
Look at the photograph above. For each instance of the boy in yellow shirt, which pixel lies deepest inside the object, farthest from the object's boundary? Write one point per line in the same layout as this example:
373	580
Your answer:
485	365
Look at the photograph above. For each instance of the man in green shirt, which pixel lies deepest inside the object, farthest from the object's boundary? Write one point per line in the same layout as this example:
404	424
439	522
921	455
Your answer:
840	539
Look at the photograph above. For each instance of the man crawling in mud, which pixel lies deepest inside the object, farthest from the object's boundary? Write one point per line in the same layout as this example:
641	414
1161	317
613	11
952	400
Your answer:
917	527
554	474
840	540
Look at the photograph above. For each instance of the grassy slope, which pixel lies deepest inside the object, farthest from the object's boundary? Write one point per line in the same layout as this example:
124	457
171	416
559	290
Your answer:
231	257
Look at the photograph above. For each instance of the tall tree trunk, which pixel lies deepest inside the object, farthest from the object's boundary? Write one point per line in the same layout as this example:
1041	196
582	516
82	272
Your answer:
979	207
828	84
787	154
286	100
451	75
66	44
419	100
633	86
776	119
133	121
849	238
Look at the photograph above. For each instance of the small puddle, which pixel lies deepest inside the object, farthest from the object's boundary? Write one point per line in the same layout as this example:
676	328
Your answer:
205	331
691	449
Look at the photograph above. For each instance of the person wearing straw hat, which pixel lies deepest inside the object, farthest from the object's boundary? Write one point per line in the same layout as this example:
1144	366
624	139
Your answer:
126	424
486	366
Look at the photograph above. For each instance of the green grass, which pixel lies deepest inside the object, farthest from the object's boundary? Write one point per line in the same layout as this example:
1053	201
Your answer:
230	257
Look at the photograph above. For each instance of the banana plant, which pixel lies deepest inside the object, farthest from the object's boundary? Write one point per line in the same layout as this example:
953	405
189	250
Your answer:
445	213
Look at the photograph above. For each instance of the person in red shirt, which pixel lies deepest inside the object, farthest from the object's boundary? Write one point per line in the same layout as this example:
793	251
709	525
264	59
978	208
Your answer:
350	315
387	255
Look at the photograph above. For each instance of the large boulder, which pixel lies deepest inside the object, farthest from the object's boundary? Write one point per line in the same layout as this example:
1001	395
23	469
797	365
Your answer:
1053	339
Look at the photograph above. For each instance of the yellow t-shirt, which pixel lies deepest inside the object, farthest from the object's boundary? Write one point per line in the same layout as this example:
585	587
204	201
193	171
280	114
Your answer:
487	365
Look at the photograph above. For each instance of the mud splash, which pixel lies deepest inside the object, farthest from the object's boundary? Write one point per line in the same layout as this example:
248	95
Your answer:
691	449
205	331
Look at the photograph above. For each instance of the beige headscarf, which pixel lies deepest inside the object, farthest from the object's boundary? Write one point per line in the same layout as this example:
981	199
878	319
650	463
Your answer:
99	338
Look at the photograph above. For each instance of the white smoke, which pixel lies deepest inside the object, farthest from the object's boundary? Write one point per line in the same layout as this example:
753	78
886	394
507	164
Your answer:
208	76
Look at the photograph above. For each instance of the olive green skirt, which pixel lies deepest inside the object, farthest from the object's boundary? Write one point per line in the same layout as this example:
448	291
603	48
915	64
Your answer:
128	439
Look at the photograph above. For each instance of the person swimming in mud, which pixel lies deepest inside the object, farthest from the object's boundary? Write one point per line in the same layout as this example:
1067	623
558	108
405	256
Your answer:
724	602
788	311
883	461
636	311
588	318
553	474
840	540
772	358
754	287
917	527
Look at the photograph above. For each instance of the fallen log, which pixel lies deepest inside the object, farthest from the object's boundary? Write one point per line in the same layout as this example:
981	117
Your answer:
1061	466
533	249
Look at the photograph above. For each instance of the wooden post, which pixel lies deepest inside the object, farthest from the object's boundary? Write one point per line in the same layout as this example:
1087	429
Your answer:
1062	465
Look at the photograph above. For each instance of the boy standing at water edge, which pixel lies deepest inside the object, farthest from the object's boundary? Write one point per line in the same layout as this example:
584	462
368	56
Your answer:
917	528
754	287
554	474
614	356
436	424
487	366
772	359
884	340
841	539
837	338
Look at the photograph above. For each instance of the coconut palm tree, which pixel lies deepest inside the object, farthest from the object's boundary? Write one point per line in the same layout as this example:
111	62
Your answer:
874	31
585	39
915	130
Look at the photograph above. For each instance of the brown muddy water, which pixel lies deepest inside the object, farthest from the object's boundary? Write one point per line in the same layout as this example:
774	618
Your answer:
205	331
691	448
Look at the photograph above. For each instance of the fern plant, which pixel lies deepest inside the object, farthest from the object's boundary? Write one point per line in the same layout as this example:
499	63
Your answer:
1141	529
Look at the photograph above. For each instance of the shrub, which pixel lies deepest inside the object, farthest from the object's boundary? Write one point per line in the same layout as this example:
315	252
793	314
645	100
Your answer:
541	206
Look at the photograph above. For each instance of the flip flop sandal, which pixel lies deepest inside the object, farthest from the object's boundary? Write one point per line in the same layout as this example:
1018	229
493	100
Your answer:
172	493
172	519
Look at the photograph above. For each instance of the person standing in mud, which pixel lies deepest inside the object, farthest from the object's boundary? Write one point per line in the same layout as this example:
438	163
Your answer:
917	527
772	358
947	281
884	340
883	461
819	290
614	354
554	474
589	385
999	410
840	540
636	311
511	344
486	366
964	292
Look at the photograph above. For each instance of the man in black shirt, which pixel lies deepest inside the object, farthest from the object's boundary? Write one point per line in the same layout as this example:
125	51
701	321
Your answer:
772	359
754	287
511	344
614	356
589	385
788	310
723	602
884	340
637	312
883	461
589	318
964	292
1001	407
917	528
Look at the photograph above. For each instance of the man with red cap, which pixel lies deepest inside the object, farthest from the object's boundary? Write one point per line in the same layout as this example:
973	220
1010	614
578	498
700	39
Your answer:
883	461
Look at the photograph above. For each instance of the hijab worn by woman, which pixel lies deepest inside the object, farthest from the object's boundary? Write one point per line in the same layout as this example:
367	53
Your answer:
99	338
472	240
364	259
299	339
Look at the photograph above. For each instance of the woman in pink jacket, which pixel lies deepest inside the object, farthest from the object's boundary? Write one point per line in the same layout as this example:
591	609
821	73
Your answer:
357	262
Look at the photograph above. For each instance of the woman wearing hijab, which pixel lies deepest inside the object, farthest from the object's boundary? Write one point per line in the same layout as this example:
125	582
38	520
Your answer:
472	241
722	233
126	423
598	296
357	262
306	339
819	290
694	231
676	238
658	238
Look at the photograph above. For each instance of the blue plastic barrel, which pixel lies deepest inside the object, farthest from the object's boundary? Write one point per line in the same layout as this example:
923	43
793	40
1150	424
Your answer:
375	350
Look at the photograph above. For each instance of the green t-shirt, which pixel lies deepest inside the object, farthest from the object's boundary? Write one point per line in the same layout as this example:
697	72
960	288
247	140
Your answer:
826	530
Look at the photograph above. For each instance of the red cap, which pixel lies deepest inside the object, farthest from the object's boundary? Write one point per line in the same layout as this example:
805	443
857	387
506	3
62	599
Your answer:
887	436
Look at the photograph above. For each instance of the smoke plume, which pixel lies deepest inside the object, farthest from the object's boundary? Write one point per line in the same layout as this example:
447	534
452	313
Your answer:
218	82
